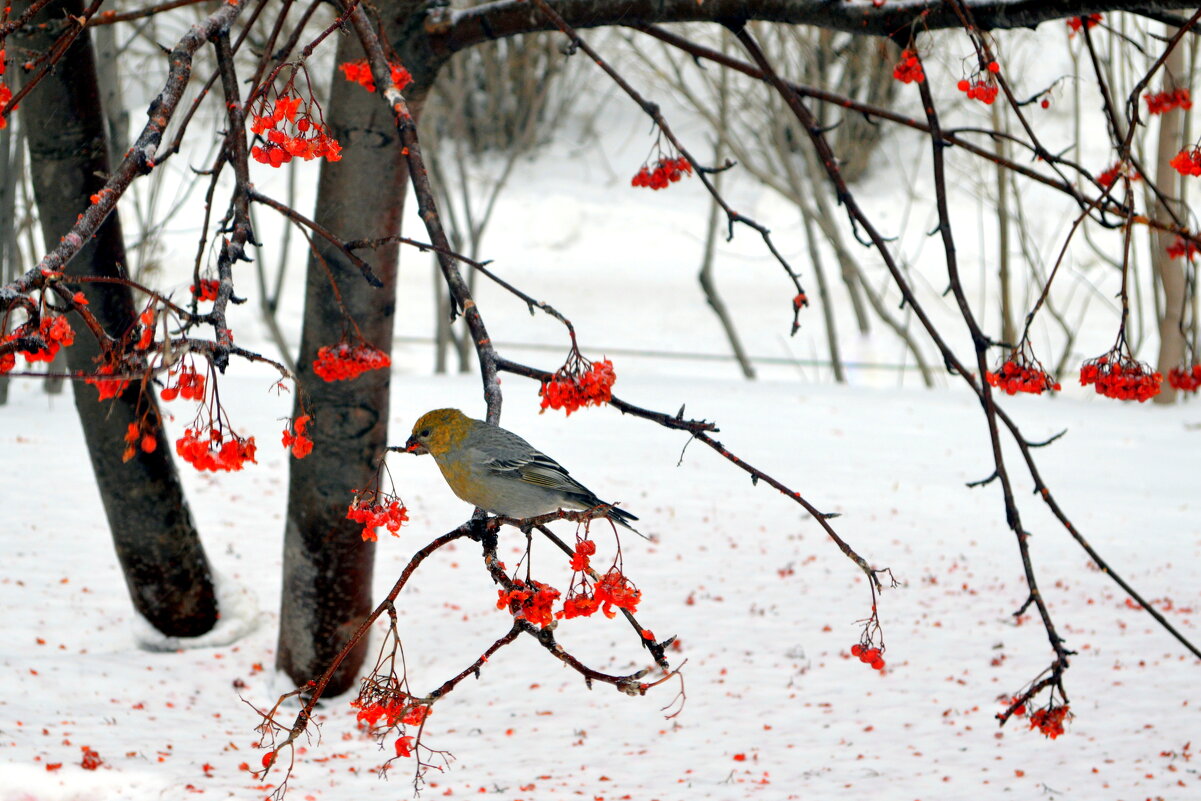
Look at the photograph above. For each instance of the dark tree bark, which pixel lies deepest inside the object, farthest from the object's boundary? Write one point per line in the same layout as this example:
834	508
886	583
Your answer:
456	30
155	538
327	566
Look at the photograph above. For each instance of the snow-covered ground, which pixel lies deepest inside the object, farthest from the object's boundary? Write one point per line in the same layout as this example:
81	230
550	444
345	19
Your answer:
764	606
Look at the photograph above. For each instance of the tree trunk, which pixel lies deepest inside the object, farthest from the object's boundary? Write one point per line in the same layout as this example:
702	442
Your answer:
156	541
1001	148
327	566
823	294
705	277
1169	273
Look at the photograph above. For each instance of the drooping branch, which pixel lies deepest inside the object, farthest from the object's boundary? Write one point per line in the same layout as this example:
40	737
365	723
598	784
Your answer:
652	110
233	249
859	219
427	208
316	688
483	531
957	137
346	248
981	345
140	159
702	430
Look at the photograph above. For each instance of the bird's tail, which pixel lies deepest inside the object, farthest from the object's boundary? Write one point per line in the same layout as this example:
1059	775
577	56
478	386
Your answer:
614	513
623	517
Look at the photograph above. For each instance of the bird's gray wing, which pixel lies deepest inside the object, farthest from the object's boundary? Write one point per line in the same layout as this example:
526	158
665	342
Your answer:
503	453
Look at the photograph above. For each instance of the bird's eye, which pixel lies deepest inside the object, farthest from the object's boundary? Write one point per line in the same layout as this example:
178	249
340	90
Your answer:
425	432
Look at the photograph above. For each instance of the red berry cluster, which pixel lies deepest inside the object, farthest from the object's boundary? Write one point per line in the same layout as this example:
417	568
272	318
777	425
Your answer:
311	140
1050	720
214	452
666	171
570	388
1018	710
983	90
1187	161
1076	23
53	329
581	605
91	758
613	590
58	333
295	439
1163	102
107	387
1120	377
136	437
532	602
147	319
1185	379
205	290
1183	247
909	69
189	385
580	558
6	94
416	714
391	514
344	361
1107	178
868	656
393	707
1021	376
535	601
360	72
394	710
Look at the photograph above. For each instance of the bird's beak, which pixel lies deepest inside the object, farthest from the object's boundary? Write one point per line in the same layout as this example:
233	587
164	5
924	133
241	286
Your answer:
413	446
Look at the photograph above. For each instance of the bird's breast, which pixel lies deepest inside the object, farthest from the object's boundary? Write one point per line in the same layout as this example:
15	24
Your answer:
459	477
498	494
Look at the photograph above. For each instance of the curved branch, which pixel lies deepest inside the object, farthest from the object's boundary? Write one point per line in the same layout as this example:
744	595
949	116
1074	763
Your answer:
458	30
140	159
701	430
427	208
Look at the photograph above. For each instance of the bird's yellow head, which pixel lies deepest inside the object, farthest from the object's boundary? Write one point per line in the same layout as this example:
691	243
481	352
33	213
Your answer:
438	431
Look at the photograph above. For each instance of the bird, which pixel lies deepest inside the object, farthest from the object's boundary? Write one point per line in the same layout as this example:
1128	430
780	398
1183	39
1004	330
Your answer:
498	471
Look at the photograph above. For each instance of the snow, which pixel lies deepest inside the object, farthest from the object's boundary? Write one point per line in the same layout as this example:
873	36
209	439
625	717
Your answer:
764	608
763	604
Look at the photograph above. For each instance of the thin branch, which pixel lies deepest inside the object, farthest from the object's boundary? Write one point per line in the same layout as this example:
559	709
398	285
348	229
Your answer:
652	110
